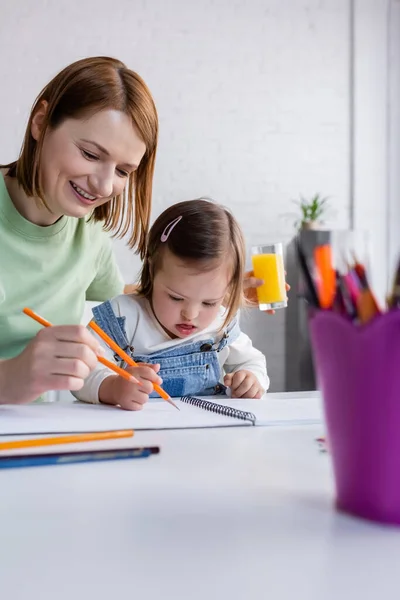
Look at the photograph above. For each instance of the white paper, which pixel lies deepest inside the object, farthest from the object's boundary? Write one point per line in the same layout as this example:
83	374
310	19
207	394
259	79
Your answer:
64	417
281	409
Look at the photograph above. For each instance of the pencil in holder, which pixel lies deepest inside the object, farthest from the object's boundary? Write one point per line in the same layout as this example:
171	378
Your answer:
358	372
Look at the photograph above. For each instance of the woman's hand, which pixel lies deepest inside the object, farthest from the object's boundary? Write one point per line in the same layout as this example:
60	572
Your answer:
58	358
250	285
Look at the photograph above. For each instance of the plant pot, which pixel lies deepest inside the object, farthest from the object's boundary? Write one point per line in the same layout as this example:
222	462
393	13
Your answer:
311	225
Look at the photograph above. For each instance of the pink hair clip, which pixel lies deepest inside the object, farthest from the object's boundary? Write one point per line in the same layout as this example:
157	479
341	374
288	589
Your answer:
167	231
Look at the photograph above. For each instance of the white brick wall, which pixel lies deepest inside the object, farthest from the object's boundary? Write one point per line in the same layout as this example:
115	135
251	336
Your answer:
253	98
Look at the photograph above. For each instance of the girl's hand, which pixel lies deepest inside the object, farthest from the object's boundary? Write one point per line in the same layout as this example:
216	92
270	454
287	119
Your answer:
250	284
244	384
58	358
130	396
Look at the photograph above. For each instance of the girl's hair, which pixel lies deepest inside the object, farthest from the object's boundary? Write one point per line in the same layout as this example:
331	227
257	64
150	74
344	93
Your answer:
205	236
82	88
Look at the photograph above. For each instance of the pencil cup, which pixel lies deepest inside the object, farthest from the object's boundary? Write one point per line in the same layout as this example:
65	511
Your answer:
358	371
268	265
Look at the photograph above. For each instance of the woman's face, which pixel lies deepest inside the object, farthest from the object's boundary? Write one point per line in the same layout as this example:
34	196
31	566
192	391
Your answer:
85	162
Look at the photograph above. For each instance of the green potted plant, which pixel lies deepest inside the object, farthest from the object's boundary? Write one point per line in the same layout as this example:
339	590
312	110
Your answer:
311	212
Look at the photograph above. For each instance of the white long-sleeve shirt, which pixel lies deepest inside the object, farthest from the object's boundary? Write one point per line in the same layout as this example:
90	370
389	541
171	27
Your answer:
147	336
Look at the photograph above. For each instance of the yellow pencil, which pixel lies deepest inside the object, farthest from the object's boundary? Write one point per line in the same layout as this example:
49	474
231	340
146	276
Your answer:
66	439
101	359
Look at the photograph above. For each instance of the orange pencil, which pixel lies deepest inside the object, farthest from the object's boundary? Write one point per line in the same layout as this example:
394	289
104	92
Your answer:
66	439
327	276
367	305
118	370
102	360
128	359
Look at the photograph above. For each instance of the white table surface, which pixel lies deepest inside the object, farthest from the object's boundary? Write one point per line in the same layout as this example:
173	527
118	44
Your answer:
230	513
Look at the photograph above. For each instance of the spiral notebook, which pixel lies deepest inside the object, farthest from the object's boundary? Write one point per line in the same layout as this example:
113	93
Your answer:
76	417
220	409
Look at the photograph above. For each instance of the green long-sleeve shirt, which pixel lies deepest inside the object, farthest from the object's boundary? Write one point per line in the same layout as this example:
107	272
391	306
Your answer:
52	270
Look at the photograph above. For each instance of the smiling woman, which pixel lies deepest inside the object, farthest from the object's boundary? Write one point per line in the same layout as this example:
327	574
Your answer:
78	173
98	110
85	168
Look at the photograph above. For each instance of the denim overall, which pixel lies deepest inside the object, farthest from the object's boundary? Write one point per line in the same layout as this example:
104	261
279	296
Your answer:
187	369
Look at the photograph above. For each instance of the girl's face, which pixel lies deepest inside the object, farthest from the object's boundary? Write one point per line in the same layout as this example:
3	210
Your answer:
85	162
186	300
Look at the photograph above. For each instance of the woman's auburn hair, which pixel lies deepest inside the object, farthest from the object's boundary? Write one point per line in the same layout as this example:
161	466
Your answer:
82	88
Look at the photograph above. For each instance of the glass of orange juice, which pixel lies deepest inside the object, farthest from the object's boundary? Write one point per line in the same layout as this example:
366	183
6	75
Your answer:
268	265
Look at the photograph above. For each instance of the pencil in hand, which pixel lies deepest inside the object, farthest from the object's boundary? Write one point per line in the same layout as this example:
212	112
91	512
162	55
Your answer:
128	359
30	313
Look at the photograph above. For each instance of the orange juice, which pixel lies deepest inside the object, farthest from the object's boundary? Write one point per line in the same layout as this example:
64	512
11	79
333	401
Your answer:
269	267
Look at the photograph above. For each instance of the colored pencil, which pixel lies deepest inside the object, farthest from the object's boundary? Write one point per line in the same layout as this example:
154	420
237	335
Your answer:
103	361
394	298
366	303
327	275
66	439
349	307
37	460
312	295
128	359
347	293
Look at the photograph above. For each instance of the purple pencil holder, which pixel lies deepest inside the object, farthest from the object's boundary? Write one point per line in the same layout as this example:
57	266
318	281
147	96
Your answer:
358	372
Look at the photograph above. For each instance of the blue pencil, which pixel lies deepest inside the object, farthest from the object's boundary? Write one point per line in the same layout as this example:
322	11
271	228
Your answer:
37	460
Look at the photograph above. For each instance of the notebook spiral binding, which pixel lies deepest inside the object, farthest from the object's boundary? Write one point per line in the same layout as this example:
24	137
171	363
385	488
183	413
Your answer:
227	411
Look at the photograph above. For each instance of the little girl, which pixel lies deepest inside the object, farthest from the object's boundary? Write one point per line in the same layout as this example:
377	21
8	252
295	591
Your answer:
183	320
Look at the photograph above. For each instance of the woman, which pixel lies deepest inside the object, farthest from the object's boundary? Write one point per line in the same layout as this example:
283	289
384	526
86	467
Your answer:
85	168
